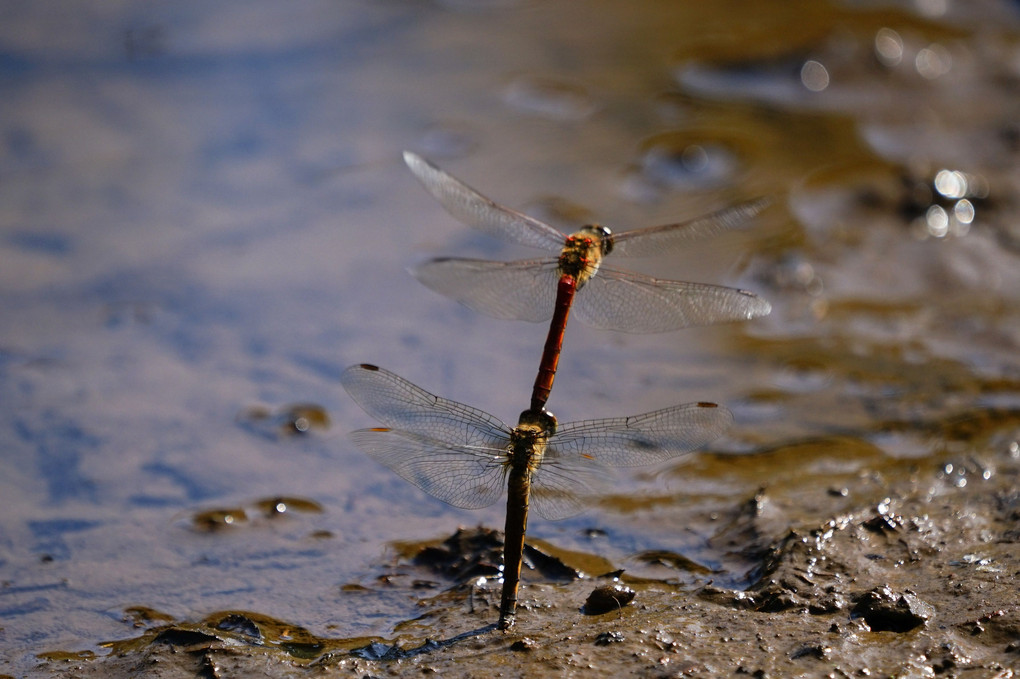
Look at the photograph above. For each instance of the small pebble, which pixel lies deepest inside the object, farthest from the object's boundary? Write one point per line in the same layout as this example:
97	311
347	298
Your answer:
607	598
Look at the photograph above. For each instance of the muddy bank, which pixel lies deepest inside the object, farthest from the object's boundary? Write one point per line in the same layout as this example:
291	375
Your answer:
906	576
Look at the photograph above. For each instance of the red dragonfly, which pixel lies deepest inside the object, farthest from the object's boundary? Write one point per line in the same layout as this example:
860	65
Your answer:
464	456
539	289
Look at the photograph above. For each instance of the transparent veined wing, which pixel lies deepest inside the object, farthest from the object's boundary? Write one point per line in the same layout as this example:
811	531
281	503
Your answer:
475	210
463	476
631	302
522	290
562	484
668	238
644	439
398	404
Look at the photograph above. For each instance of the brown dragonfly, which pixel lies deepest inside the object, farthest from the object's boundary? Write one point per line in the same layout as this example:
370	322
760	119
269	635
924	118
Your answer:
543	289
464	456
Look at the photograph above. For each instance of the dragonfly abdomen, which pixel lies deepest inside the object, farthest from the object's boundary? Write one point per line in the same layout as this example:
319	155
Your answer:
518	492
565	290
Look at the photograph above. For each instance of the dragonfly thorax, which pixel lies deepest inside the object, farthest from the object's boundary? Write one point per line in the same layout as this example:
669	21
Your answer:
583	252
528	439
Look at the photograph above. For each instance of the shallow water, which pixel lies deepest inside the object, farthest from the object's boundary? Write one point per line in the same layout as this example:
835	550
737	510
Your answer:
205	219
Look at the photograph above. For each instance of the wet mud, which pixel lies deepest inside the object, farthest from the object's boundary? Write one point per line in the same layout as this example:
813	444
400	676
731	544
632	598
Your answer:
912	576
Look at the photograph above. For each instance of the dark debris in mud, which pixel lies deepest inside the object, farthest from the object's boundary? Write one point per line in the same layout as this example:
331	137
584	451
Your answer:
467	554
887	611
478	552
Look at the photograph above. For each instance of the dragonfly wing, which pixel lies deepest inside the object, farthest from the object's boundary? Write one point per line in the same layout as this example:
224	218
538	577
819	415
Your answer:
630	302
470	478
642	439
398	404
562	483
472	208
667	238
523	290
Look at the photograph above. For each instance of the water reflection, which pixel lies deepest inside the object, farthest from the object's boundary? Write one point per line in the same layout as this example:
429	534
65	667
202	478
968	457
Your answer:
814	75
548	97
672	164
933	61
888	47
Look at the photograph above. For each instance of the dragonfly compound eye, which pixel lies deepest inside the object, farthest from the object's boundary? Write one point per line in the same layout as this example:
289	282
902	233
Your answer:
604	235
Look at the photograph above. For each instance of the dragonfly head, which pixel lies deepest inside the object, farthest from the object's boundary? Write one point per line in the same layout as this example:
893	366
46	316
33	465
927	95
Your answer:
541	420
603	234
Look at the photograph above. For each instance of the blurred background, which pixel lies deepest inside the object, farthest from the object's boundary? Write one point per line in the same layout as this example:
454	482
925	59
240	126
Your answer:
204	218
